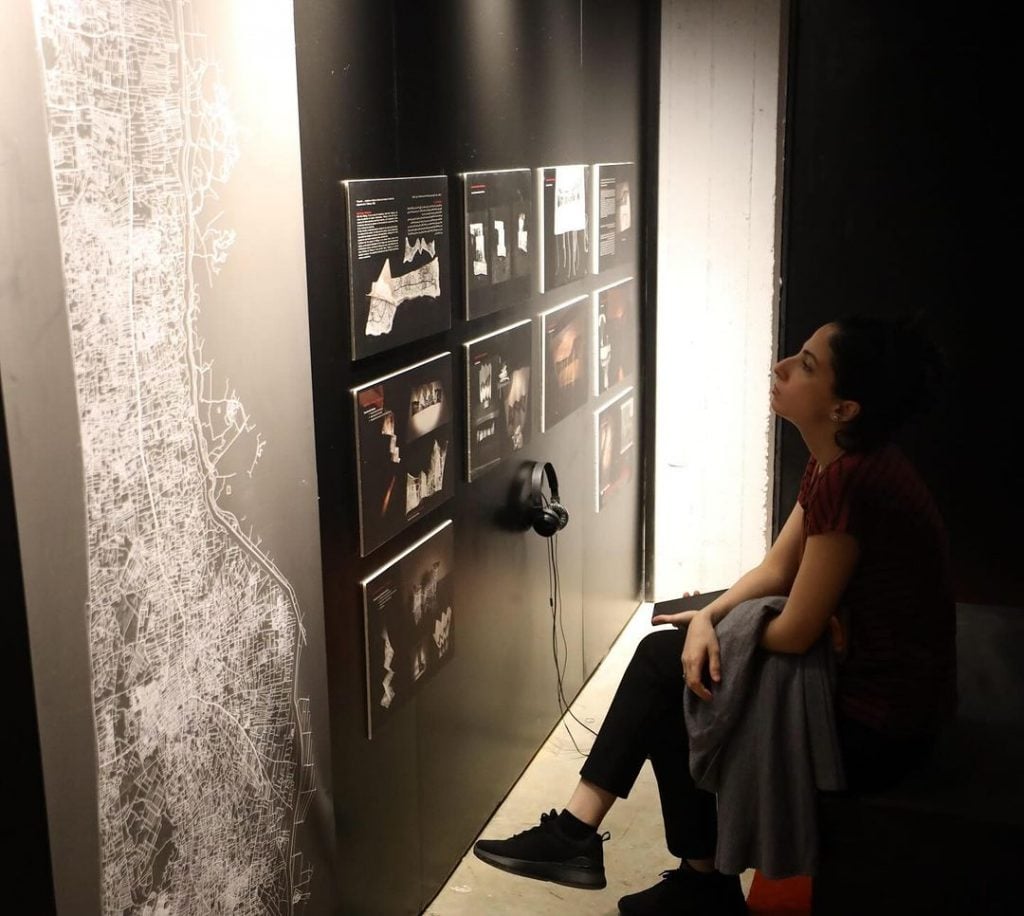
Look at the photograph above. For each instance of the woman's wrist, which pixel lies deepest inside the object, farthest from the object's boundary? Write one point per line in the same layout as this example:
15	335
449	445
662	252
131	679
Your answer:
710	614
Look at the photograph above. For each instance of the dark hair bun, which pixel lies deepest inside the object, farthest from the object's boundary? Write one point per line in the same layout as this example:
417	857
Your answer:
890	367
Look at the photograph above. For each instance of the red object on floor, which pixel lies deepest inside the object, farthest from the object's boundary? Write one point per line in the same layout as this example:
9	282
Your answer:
785	897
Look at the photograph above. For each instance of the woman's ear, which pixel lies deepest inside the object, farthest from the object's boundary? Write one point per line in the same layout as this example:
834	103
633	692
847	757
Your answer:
845	411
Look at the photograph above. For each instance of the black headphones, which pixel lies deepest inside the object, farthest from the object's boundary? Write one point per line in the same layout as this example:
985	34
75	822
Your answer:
547	517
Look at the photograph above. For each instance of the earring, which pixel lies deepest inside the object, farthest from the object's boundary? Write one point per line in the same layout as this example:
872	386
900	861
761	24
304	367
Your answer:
835	418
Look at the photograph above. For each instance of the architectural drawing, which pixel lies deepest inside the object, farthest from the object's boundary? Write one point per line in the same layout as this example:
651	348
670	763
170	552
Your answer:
409	623
203	740
397	260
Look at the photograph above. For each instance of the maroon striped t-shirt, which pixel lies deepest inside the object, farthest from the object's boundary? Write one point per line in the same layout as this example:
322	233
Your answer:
899	670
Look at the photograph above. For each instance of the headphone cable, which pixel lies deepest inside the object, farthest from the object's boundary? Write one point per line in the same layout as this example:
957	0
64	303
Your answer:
558	628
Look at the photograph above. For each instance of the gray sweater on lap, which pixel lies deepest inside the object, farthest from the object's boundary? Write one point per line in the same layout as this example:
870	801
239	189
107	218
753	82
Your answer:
765	744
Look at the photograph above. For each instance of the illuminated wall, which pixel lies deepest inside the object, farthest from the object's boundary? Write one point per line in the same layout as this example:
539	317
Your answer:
718	182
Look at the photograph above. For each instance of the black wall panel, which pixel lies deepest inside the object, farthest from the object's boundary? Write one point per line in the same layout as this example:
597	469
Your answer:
406	88
897	197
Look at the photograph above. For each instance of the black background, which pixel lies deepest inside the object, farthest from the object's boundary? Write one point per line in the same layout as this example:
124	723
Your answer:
413	88
898	196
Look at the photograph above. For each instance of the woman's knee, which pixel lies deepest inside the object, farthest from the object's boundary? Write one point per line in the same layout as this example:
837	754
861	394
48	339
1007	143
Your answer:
659	646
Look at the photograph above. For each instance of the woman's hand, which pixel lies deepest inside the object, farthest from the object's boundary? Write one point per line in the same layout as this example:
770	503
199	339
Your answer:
680	618
700	649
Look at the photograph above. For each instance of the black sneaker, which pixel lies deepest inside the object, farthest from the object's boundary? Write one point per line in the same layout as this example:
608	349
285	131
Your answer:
546	853
685	892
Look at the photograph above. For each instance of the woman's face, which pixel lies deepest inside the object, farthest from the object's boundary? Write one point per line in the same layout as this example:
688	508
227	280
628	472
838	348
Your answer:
803	389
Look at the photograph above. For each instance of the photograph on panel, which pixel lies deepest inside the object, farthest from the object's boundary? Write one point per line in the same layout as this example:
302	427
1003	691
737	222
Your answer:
408	623
498	253
614	441
614	190
403	439
398	261
566	209
498	397
564	380
615	334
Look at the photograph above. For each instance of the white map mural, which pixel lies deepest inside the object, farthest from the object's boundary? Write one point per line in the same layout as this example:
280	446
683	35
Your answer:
195	636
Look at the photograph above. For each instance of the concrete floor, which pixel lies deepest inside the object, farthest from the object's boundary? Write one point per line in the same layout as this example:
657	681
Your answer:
634	856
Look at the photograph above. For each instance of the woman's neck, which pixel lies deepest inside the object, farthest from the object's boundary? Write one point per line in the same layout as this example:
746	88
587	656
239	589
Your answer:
823	447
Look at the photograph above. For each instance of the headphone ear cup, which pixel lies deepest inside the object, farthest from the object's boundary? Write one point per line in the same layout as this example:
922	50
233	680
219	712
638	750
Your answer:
561	513
545	522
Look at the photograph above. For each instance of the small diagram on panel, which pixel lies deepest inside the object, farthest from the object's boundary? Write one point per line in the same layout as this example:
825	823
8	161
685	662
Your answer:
498	255
614	447
398	261
566	216
615	334
614	192
403	440
498	374
564	378
408	622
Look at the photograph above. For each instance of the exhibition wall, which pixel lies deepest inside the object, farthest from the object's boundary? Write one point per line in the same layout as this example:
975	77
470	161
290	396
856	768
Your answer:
426	422
297	303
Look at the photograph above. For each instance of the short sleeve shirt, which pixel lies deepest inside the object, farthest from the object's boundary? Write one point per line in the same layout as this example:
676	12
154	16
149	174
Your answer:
899	671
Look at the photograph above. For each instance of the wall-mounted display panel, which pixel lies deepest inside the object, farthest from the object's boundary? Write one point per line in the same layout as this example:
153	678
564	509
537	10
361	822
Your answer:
614	191
403	437
564	379
408	623
565	208
155	362
614	446
398	261
615	330
498	247
498	401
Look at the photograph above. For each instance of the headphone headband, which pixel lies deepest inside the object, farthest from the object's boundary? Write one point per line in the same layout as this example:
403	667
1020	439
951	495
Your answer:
547	469
547	518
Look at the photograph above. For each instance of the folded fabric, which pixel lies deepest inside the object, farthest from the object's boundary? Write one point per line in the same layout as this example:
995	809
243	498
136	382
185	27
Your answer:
765	744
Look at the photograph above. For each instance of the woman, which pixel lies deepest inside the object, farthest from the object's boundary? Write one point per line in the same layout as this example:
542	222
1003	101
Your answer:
862	557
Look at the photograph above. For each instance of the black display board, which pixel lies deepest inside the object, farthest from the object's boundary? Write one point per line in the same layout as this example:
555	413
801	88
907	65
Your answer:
409	618
398	257
615	432
564	380
566	208
615	334
498	250
614	192
403	442
498	396
453	87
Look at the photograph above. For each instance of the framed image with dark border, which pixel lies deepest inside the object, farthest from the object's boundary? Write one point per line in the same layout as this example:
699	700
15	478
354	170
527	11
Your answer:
615	334
564	203
403	440
498	402
615	193
498	209
614	446
398	261
565	379
408	623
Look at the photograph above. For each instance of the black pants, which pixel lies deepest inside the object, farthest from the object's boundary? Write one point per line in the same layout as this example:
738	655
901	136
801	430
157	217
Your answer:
645	721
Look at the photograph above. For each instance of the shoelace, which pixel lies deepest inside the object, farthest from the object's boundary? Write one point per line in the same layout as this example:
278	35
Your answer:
552	815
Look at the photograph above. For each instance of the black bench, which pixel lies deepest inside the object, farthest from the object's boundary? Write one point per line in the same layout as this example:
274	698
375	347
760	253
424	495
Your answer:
950	838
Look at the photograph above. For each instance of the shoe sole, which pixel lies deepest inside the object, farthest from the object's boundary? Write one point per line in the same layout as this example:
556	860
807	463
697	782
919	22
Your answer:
579	876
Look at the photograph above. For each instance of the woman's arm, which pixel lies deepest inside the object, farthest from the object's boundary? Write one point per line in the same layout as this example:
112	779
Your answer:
825	569
774	575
